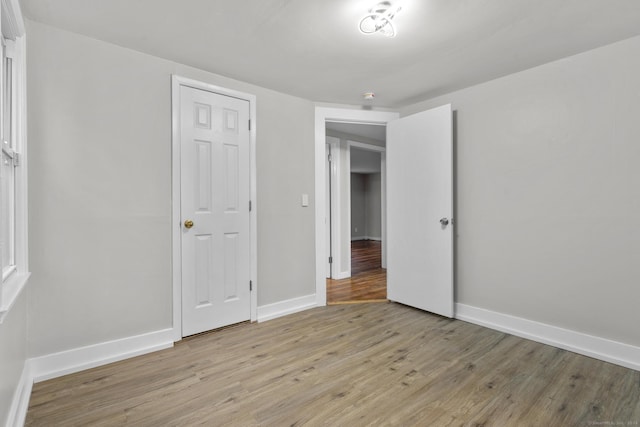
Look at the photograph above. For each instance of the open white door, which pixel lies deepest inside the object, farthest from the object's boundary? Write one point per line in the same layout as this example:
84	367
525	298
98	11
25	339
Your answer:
420	210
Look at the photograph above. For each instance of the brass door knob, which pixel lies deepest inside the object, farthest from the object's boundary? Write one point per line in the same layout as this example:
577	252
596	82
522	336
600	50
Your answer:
188	223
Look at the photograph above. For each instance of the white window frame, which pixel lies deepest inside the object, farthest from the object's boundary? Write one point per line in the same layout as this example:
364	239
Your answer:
15	279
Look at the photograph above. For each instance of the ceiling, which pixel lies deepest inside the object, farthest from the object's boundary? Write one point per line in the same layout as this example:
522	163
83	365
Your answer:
313	49
369	132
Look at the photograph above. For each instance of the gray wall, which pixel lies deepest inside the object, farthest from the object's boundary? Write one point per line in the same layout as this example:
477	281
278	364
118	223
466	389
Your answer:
366	207
358	206
100	190
13	353
364	161
548	192
374	205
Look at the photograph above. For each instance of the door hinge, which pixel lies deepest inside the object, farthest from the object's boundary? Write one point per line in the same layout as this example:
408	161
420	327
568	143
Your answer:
8	151
249	124
330	260
329	158
249	205
250	285
9	48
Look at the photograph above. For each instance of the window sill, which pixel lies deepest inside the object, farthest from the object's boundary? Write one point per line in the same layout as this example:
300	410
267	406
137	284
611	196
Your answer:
11	290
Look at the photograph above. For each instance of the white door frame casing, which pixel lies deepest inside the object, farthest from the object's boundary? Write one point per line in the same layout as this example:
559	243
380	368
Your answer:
333	220
324	114
339	270
176	218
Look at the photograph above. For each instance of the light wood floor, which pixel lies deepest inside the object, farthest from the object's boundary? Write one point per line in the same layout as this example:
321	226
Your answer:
346	365
368	281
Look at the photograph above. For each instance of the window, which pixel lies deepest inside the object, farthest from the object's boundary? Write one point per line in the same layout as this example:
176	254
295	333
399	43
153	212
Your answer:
13	174
9	163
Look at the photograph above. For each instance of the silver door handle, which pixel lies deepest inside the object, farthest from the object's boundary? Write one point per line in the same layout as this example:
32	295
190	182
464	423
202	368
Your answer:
444	222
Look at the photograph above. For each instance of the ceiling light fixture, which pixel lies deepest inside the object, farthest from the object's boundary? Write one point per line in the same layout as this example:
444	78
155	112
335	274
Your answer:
380	19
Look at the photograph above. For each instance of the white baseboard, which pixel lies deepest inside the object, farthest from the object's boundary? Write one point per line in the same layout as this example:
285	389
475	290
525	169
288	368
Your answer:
342	275
599	348
21	396
78	359
282	308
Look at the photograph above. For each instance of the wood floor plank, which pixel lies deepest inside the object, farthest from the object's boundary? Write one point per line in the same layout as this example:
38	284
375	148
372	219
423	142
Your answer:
368	279
355	365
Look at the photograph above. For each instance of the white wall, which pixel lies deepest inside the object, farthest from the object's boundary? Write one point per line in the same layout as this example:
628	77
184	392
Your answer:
100	190
345	215
13	353
548	192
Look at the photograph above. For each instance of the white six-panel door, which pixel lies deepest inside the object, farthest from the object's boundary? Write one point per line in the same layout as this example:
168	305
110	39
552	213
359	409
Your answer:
420	210
215	194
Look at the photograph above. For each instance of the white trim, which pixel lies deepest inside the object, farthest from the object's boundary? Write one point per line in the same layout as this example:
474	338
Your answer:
21	396
323	114
10	291
78	359
327	216
599	348
176	250
8	271
283	308
12	16
383	203
335	204
346	240
176	82
22	203
342	275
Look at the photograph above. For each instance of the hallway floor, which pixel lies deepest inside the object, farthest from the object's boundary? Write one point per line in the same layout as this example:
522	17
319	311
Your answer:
368	281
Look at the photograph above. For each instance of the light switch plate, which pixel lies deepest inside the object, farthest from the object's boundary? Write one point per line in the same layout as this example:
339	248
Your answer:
305	200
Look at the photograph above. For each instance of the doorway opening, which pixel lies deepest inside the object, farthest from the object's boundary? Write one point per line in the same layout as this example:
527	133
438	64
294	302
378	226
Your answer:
323	223
356	208
419	209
